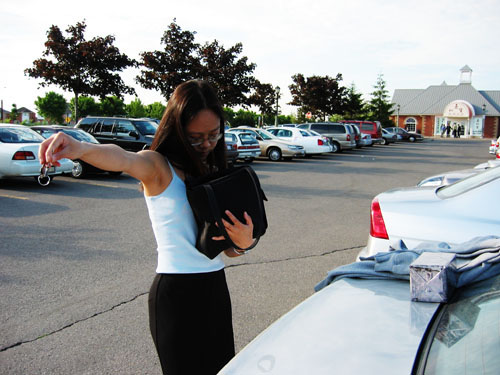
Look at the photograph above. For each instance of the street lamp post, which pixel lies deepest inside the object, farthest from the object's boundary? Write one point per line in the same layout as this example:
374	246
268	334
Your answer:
398	107
277	105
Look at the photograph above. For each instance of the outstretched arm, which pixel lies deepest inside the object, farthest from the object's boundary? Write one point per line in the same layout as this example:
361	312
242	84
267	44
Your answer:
108	157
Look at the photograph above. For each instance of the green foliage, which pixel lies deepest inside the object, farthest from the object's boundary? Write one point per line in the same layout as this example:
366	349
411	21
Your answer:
322	96
52	107
243	117
354	108
229	115
87	106
112	106
81	66
14	114
155	110
135	109
379	107
264	97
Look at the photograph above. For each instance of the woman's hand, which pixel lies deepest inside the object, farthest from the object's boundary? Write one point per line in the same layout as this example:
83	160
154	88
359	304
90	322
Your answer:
57	147
240	233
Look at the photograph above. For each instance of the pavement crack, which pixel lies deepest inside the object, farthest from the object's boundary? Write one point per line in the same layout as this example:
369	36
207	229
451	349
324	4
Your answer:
329	252
73	323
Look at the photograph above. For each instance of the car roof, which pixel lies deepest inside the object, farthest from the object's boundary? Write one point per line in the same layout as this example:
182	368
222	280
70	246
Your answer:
355	326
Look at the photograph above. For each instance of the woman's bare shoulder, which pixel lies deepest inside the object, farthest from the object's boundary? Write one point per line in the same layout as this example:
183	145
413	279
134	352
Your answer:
160	174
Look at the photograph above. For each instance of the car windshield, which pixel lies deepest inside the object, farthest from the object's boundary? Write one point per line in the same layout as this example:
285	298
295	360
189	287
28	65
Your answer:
81	135
469	183
265	134
467	338
146	127
20	135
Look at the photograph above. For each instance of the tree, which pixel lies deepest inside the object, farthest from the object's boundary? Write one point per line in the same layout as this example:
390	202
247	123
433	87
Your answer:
247	118
354	108
379	107
264	97
322	96
87	106
112	106
155	110
14	114
182	59
232	76
165	70
52	107
135	109
80	66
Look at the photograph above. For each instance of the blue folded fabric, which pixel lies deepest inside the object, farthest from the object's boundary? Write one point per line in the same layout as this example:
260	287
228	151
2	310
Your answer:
477	259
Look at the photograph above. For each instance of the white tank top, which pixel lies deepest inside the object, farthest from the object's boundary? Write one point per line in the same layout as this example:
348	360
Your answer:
175	231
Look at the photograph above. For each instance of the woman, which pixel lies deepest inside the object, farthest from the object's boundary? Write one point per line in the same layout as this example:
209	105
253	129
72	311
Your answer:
189	303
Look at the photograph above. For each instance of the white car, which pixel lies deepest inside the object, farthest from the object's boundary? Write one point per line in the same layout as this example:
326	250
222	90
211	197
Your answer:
19	154
313	144
454	213
494	146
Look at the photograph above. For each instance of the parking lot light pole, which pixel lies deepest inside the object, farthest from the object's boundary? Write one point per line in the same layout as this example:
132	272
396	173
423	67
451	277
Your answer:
277	105
398	107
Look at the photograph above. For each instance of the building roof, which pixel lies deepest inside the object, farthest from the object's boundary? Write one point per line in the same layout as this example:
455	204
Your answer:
434	99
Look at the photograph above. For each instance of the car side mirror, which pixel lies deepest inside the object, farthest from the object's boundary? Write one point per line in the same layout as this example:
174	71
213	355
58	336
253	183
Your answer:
134	134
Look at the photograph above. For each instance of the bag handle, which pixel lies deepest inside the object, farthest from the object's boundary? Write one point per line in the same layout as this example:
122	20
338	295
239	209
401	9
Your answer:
218	218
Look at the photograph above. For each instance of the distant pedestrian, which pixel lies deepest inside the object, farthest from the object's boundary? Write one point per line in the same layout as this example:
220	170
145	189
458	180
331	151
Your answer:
443	130
448	130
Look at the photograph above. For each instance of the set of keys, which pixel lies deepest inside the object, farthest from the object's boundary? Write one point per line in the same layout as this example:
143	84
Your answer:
44	178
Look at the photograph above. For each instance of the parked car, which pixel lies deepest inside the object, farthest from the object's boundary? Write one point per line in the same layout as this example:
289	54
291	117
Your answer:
448	177
341	136
360	326
366	140
388	137
313	144
405	135
231	147
452	213
357	135
270	146
129	133
494	146
369	127
248	146
19	154
323	137
80	169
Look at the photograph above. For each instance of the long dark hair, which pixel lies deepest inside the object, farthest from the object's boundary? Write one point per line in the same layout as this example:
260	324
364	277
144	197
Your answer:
188	99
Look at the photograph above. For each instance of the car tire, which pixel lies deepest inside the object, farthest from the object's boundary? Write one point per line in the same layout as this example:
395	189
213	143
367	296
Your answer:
336	147
385	142
274	154
411	139
78	170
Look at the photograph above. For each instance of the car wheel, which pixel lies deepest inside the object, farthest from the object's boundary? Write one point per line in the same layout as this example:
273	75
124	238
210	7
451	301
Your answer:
274	154
385	142
78	170
411	139
336	147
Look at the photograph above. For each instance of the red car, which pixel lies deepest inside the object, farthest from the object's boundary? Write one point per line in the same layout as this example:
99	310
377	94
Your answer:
369	127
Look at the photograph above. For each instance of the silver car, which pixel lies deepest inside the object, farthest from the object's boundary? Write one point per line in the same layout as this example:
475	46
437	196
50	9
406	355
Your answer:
271	146
369	326
454	213
19	154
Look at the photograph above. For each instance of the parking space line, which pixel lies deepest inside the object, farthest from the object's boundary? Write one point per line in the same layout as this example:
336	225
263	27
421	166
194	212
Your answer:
13	197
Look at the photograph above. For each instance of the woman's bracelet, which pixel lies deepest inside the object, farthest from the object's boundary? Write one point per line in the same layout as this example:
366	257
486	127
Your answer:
240	252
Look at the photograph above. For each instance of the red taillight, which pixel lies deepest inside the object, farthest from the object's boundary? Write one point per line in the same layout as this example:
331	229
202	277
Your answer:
377	225
234	146
348	137
320	142
248	147
24	155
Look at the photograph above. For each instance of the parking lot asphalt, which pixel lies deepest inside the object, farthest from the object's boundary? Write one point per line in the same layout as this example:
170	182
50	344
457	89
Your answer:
77	257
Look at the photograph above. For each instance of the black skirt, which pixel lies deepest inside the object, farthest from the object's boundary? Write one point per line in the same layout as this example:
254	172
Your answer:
191	322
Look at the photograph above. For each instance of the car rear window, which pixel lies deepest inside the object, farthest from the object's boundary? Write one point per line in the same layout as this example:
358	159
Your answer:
247	138
468	183
367	127
20	135
146	127
467	338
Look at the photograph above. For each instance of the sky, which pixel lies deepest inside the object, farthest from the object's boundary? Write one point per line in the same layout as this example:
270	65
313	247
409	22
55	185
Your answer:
413	44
